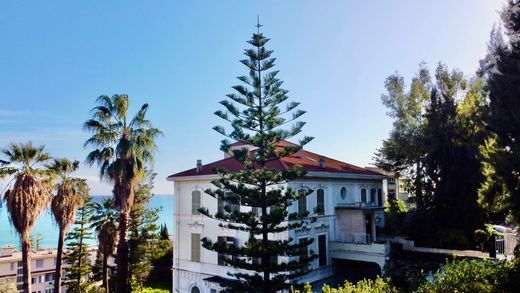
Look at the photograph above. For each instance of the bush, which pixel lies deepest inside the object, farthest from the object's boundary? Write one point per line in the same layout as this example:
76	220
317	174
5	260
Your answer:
364	286
395	213
469	276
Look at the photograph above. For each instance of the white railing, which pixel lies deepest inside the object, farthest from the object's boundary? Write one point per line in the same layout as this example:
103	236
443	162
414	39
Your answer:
357	238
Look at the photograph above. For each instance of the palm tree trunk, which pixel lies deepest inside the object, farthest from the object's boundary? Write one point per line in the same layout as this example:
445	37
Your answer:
26	261
59	254
105	268
122	254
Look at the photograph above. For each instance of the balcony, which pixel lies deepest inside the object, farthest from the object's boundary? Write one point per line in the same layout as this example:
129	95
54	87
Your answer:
360	206
372	252
355	238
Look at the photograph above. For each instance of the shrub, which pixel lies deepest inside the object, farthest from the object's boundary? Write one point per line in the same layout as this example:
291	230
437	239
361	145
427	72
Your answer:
469	276
364	286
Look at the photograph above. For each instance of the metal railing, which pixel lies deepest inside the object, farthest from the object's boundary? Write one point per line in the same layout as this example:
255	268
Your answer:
356	238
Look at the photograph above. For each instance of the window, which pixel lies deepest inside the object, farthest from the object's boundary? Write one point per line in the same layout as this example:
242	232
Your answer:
195	289
19	279
33	280
12	266
223	204
20	271
49	277
379	197
320	202
195	247
228	241
363	195
213	291
373	195
50	290
195	202
304	253
302	203
256	211
322	248
343	193
20	264
39	263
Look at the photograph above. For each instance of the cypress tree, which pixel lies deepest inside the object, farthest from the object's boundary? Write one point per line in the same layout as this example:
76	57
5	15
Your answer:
77	257
260	116
504	94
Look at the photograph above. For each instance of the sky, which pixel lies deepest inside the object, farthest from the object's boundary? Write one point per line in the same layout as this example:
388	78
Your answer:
182	57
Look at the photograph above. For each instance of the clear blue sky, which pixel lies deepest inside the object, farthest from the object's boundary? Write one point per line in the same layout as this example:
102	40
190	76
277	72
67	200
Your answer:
182	57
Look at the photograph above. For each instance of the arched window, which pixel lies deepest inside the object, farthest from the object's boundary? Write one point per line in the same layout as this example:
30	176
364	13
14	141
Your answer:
195	289
343	193
363	195
379	197
372	195
320	202
195	202
302	202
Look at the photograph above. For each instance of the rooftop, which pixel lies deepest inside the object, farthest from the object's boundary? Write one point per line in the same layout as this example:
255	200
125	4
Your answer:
309	161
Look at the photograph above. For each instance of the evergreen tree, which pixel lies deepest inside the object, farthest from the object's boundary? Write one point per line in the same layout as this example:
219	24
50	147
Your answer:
143	230
164	234
504	122
404	151
258	112
77	256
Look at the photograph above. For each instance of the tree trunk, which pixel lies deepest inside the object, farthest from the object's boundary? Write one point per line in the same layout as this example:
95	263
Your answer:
105	268
59	254
26	261
122	254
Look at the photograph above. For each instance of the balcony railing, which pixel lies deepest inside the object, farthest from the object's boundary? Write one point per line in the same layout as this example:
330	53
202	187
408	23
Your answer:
356	238
359	205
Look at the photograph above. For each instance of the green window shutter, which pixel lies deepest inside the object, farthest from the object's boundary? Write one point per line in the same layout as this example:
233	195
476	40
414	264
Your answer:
195	247
302	203
320	204
363	195
195	202
220	208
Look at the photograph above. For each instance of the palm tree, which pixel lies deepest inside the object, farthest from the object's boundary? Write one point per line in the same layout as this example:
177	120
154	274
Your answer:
123	148
29	195
104	222
64	205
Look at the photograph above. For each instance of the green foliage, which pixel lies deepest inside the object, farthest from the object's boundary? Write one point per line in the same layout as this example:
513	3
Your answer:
262	117
143	231
364	286
77	256
469	276
395	213
434	133
504	121
123	148
164	234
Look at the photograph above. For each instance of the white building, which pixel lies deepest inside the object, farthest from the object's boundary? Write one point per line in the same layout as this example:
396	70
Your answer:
351	199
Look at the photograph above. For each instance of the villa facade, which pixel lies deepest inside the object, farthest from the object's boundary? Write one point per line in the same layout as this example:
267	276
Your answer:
347	200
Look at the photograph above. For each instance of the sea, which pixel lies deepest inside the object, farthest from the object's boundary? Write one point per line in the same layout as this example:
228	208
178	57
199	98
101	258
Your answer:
47	231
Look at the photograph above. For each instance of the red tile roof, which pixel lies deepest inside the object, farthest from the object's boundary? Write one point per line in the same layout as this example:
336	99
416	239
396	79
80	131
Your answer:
309	161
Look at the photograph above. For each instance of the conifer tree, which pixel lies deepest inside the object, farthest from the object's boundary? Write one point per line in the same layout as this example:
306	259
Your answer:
143	230
504	95
77	257
262	117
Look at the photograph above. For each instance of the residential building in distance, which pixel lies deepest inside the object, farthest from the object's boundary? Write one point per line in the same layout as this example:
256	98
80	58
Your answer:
43	264
395	185
347	199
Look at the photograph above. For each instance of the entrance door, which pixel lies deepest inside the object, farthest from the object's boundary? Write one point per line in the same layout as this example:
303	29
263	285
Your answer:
368	227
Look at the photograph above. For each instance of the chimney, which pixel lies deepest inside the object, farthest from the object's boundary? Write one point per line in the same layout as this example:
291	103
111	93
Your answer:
322	162
6	251
199	166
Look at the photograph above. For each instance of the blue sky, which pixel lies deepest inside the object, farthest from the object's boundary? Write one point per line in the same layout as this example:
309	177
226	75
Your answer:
182	58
